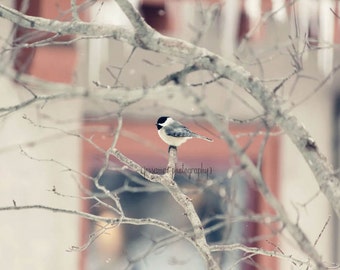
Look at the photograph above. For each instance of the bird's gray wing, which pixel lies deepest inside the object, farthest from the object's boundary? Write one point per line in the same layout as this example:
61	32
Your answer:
178	130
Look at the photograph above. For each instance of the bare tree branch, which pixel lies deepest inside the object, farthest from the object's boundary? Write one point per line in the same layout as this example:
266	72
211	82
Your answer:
297	233
184	201
258	251
193	59
203	59
124	220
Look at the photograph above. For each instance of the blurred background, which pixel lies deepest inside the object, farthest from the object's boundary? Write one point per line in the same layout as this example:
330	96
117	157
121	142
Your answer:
44	159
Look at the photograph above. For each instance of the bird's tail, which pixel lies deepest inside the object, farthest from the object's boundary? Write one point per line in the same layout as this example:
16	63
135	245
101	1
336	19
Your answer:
204	138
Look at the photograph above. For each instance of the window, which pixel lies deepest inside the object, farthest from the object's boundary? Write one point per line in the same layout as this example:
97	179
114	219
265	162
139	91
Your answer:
225	204
37	60
336	144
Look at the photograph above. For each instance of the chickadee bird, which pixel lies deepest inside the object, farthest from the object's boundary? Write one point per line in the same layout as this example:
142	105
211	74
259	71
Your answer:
174	133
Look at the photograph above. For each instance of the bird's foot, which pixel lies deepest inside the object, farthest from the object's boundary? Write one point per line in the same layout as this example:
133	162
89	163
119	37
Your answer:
171	146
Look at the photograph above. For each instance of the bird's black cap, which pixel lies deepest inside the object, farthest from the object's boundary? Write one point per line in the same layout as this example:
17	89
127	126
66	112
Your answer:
161	120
